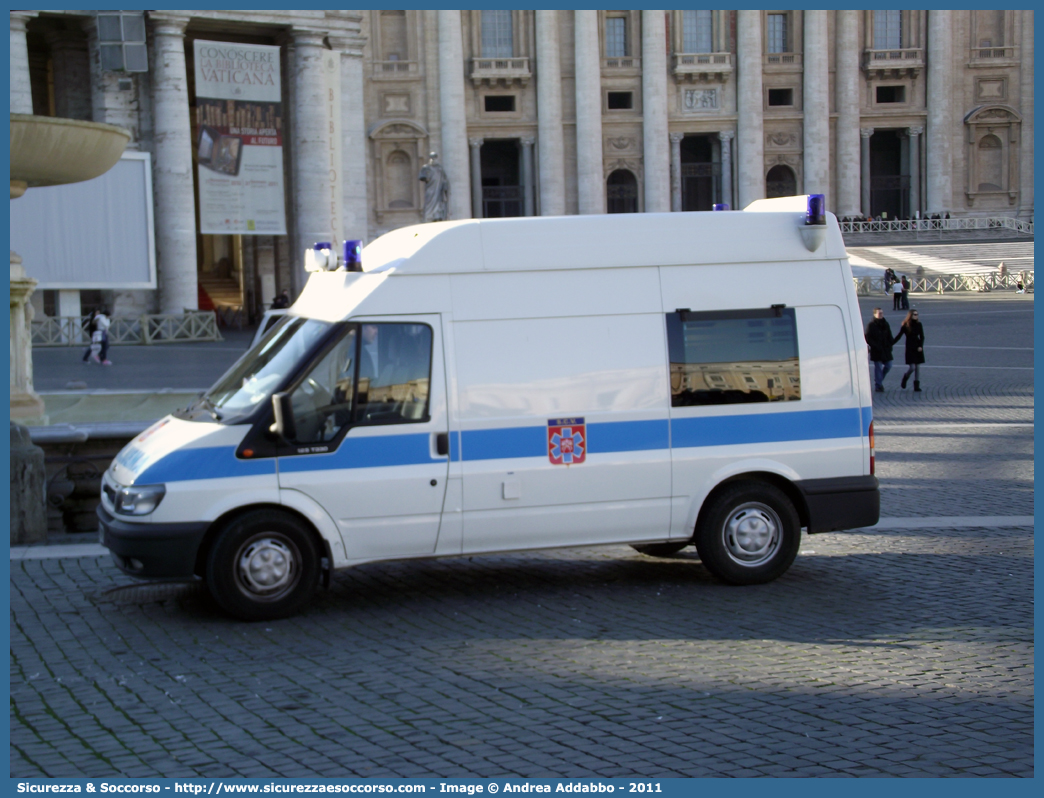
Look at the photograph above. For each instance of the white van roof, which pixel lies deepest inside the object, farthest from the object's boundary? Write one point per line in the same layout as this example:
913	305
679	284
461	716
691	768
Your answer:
768	230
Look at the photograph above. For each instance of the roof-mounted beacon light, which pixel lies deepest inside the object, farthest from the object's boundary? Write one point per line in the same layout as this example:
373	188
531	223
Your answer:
813	231
353	255
720	206
816	213
320	258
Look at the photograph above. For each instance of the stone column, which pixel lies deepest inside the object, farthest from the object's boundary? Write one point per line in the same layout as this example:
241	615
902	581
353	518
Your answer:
726	137
676	182
309	156
915	169
846	77
353	138
816	122
264	248
549	114
527	175
864	169
173	190
109	103
72	75
21	90
454	154
476	177
940	102
1026	108
654	113
589	168
751	134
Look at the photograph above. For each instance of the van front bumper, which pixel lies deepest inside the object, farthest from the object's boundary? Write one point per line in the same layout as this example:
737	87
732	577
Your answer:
841	503
151	550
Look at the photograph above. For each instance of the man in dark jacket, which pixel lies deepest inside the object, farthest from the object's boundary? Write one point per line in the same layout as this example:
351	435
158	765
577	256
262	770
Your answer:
879	339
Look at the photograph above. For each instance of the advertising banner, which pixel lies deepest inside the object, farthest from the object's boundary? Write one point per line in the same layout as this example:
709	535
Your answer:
239	139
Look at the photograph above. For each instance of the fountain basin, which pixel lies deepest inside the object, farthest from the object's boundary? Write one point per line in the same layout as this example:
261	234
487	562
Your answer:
49	151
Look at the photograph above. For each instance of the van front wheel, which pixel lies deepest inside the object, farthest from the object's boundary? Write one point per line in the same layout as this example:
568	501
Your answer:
749	535
264	565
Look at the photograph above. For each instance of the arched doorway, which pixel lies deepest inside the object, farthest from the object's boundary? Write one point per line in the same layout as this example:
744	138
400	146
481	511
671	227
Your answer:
780	182
622	192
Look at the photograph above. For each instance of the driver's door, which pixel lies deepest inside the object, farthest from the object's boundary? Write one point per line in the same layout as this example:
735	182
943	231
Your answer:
369	416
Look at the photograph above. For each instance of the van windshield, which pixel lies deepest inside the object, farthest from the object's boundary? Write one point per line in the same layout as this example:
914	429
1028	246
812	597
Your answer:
260	371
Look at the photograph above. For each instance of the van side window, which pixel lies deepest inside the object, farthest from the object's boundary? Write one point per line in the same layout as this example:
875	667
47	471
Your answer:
394	373
322	402
733	357
376	374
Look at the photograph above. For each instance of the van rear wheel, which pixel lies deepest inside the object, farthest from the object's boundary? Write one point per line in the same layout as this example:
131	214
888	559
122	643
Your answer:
659	549
264	565
750	534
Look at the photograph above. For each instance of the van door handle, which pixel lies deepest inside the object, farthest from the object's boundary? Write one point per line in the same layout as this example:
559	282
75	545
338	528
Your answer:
442	443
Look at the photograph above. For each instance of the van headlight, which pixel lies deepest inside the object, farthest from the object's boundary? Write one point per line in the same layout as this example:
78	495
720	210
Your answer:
138	499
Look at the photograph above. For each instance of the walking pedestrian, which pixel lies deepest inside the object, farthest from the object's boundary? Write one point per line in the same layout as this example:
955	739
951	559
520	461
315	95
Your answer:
98	328
914	332
1020	286
906	293
879	339
897	295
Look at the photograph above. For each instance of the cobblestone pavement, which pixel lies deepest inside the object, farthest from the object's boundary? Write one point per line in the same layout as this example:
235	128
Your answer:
905	652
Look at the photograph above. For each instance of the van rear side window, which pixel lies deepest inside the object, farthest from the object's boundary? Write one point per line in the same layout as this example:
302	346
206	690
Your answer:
733	357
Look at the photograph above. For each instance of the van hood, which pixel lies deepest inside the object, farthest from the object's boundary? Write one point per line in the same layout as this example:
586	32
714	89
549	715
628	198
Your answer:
174	450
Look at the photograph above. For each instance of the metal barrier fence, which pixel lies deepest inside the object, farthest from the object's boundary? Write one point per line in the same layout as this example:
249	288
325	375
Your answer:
938	225
156	328
941	283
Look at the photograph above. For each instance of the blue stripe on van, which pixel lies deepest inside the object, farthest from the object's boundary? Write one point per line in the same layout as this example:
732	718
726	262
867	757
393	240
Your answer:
628	436
511	442
604	437
370	452
802	425
503	443
207	462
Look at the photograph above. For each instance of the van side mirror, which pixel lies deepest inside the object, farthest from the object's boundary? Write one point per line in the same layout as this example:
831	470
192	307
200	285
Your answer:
285	426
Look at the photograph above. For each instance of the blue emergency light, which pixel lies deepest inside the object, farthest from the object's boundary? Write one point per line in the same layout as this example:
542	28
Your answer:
720	206
353	255
320	258
816	213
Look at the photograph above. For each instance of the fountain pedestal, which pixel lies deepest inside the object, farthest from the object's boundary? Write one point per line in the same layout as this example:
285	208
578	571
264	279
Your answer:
26	405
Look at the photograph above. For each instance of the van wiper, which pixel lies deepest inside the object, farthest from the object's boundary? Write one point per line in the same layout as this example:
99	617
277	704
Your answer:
206	403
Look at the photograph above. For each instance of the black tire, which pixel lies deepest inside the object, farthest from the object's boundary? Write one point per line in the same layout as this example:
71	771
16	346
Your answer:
749	535
263	565
659	549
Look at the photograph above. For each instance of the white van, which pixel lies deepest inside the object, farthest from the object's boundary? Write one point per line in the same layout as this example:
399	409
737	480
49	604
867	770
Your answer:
656	380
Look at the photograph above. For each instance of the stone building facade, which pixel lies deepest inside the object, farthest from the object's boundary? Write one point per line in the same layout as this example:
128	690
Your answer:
887	113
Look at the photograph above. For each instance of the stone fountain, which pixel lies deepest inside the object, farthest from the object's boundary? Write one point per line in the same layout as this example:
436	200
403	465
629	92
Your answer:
45	151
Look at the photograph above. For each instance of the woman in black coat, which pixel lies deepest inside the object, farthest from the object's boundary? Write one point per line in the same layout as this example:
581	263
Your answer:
914	333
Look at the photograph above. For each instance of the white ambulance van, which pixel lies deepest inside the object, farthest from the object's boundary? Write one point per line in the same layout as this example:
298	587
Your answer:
658	380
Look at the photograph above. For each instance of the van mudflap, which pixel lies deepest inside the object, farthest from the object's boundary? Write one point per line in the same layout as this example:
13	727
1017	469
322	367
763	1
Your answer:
841	503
